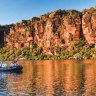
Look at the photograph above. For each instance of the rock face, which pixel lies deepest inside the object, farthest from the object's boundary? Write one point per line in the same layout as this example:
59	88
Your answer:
19	36
53	31
1	38
3	30
89	25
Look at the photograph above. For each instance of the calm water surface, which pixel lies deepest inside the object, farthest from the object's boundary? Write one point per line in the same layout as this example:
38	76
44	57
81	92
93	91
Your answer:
51	78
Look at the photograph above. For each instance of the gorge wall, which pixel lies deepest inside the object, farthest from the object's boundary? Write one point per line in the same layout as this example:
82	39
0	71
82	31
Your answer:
52	31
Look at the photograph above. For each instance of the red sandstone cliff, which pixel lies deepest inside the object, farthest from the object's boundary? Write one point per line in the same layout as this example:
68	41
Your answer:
54	31
51	31
89	25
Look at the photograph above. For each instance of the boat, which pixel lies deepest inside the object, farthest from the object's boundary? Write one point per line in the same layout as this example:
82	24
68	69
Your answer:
13	68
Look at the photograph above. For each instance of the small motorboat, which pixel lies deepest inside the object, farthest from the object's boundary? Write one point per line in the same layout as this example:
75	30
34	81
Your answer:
12	68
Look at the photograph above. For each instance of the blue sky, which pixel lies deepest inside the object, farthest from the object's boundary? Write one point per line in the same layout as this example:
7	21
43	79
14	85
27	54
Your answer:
12	11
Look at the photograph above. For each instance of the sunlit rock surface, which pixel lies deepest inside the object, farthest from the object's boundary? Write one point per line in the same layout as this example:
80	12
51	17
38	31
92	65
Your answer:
52	31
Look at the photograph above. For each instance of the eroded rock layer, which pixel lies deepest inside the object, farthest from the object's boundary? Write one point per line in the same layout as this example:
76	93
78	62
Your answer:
53	31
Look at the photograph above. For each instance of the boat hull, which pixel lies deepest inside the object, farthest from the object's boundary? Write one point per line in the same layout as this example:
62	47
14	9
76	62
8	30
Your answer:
15	68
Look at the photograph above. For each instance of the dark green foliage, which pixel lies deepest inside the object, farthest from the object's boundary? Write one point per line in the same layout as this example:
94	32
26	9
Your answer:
81	43
79	48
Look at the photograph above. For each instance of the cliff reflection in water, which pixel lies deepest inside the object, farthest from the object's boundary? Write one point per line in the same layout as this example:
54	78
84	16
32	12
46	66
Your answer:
53	78
59	77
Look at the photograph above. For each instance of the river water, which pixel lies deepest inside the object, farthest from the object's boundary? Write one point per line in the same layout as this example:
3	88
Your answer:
51	78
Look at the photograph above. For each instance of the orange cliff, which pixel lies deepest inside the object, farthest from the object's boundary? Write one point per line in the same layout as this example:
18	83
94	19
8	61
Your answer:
53	31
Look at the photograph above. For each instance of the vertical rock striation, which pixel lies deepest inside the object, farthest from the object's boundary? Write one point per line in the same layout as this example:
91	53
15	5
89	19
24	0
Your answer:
53	31
89	25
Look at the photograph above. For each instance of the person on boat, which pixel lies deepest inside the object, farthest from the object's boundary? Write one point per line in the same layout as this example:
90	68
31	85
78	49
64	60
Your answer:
3	64
14	63
0	63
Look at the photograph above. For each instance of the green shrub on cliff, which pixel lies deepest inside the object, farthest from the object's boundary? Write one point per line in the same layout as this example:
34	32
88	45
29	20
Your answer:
77	48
